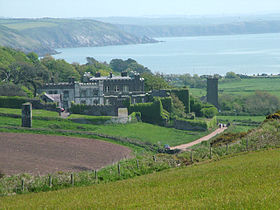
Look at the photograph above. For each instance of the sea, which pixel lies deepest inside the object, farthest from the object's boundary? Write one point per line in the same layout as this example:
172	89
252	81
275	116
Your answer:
204	55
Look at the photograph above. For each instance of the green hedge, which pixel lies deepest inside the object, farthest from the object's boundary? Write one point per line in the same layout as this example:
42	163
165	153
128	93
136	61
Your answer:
12	101
150	112
167	103
199	124
184	96
16	102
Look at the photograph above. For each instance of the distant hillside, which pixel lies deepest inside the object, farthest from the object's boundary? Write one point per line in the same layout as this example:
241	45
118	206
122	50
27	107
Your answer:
44	35
13	38
196	25
256	27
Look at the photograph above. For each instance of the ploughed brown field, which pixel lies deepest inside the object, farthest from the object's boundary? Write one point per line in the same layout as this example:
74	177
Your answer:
42	154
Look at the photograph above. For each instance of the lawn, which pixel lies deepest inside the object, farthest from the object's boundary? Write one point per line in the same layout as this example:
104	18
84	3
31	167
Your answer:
140	131
244	87
247	181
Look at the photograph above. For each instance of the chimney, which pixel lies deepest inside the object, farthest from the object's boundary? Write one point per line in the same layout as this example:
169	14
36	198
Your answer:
137	76
124	74
97	74
111	74
71	80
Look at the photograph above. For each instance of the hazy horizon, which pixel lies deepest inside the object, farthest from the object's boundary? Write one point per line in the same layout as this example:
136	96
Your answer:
126	8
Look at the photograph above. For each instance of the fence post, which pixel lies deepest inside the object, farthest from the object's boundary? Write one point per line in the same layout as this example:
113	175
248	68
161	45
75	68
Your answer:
72	180
22	185
210	151
191	156
119	169
50	181
154	158
95	174
137	163
227	148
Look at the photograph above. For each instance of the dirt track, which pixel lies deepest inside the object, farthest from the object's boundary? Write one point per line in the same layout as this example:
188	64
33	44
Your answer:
204	138
41	154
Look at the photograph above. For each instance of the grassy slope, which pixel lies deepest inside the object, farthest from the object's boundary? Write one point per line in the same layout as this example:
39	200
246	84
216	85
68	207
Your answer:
245	87
247	181
140	131
59	33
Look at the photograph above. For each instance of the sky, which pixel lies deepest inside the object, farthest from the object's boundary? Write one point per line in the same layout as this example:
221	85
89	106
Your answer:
105	8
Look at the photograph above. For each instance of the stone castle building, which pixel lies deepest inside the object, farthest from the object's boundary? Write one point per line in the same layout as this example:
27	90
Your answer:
97	90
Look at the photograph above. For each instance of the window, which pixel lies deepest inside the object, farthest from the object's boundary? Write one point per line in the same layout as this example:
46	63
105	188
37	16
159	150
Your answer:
55	92
107	89
95	92
66	94
117	88
83	93
83	102
125	88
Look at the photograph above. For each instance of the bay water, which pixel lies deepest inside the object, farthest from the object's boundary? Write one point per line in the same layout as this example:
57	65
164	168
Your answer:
245	54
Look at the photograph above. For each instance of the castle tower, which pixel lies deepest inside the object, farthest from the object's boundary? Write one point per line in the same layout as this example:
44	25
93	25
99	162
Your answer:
212	91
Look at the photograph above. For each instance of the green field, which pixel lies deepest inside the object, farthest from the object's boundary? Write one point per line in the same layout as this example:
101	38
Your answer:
241	123
139	131
245	87
242	118
247	181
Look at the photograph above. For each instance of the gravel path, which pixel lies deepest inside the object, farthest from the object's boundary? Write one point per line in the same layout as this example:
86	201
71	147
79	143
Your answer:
205	138
42	154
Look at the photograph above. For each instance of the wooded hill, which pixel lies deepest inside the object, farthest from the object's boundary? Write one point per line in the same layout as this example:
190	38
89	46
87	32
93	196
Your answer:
44	35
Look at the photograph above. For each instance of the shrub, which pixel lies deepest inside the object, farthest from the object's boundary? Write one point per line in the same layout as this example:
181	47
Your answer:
275	116
209	112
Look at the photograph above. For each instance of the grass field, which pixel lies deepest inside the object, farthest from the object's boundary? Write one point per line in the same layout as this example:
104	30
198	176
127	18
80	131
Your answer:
242	118
247	181
139	131
245	87
241	123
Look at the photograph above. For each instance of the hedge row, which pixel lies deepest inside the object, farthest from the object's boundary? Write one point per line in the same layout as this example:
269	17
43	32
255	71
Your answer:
186	124
150	112
17	101
167	103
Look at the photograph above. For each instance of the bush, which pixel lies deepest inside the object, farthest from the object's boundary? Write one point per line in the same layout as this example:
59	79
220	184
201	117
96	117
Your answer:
209	112
275	116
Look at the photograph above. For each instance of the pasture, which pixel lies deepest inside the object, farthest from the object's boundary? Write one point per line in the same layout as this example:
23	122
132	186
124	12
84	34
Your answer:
244	87
246	181
143	132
